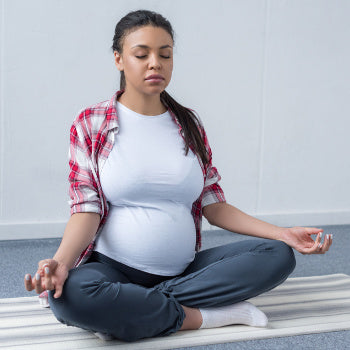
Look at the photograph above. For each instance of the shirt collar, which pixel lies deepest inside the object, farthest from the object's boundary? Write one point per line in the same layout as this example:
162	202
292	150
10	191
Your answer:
112	117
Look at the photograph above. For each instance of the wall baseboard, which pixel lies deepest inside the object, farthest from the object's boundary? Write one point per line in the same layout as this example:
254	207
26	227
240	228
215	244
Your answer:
32	230
39	230
303	219
310	219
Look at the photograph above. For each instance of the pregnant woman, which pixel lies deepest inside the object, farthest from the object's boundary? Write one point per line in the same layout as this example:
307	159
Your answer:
129	265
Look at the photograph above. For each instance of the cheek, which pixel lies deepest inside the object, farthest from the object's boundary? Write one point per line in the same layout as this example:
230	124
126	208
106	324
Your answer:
170	69
133	69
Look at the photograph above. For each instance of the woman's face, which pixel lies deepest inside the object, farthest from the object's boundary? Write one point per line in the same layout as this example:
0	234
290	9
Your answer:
146	51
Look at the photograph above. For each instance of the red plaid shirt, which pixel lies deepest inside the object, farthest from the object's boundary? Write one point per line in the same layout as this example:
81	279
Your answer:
92	137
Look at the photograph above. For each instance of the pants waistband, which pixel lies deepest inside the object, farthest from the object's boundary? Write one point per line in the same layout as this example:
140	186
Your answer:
135	275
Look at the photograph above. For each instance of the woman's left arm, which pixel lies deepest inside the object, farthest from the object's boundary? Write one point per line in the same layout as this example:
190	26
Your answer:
232	219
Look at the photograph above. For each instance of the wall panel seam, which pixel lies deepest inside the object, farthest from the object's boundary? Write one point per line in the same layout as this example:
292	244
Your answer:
2	108
262	108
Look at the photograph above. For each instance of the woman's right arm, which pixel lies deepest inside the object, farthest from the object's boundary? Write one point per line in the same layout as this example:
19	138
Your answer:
80	231
52	273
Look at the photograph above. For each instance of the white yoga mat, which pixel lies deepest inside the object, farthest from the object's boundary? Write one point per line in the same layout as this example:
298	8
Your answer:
300	305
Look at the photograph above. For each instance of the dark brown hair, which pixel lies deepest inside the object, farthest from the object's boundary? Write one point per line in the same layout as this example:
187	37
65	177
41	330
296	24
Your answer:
185	116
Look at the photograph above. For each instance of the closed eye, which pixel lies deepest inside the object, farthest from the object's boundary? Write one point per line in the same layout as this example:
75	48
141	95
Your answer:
146	55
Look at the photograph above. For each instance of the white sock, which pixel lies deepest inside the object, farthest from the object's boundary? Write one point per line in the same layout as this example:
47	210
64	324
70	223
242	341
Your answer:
104	336
238	313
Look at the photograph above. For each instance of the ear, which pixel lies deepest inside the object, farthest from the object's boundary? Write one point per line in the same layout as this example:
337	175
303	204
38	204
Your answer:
118	60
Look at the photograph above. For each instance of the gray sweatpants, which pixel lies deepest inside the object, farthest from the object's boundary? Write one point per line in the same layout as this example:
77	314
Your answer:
106	296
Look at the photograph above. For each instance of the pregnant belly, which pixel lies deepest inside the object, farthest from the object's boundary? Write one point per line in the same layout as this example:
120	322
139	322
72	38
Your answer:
149	239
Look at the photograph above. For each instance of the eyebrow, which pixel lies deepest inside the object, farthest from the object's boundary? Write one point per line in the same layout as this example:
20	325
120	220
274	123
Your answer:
147	47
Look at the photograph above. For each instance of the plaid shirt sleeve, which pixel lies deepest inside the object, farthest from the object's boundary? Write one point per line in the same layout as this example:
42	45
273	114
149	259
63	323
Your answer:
83	188
212	192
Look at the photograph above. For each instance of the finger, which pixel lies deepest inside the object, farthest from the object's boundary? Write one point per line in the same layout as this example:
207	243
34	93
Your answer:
28	282
318	243
325	244
41	266
47	278
50	263
315	249
58	291
328	242
319	248
37	283
313	230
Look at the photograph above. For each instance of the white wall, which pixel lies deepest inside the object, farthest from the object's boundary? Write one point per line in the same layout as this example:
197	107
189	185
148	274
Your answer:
270	80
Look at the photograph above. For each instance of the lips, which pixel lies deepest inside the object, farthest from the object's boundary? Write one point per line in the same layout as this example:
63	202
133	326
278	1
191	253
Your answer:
155	76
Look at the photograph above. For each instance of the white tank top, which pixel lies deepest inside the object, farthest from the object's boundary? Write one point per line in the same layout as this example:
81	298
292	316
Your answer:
150	185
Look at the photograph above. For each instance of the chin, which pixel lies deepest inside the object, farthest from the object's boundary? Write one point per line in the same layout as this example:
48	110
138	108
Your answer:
155	91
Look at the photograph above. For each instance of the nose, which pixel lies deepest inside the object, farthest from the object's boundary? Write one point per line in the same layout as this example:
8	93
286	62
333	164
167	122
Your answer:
154	62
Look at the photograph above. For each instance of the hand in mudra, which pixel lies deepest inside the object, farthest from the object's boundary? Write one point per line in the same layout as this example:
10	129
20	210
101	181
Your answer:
300	239
51	275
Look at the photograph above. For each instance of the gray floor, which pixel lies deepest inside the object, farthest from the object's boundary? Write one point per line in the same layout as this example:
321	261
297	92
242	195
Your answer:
21	256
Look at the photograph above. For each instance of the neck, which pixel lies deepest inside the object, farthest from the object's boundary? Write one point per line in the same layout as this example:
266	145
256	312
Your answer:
141	103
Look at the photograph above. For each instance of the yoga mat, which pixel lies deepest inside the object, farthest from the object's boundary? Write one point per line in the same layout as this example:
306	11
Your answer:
300	305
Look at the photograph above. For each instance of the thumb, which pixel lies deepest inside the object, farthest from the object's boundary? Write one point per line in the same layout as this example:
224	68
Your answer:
58	291
313	230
